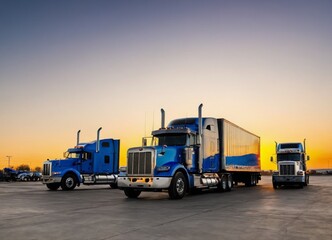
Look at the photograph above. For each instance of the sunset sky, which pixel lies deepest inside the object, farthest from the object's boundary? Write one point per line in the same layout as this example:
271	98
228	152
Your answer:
70	65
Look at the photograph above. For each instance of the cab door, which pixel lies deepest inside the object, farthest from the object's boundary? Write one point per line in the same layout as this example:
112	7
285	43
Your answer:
87	163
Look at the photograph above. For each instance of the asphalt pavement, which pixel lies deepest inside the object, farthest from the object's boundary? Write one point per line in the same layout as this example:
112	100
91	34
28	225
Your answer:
29	211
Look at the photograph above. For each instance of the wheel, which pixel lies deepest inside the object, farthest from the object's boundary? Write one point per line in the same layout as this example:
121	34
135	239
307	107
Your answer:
222	186
132	193
68	182
53	186
178	187
114	185
229	183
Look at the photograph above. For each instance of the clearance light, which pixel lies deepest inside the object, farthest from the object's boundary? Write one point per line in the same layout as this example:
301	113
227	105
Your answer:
163	168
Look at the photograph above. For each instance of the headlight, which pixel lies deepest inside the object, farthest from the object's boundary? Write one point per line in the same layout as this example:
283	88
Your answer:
301	173
163	168
56	173
275	173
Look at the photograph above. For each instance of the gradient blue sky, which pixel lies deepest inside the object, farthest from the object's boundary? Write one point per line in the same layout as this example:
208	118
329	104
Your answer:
69	65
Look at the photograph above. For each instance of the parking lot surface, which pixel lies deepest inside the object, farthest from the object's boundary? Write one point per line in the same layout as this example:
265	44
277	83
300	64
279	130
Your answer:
29	211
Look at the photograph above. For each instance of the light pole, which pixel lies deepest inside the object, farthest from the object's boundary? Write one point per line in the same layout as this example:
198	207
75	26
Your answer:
9	160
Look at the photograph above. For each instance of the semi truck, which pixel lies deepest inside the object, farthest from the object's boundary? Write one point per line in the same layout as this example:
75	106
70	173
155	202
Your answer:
291	163
192	154
90	163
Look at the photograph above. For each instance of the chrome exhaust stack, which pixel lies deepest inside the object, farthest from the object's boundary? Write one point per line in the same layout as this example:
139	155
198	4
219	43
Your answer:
162	118
78	137
200	138
276	146
98	142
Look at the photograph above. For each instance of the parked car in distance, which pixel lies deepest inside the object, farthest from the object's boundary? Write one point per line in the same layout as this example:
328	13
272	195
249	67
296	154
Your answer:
29	176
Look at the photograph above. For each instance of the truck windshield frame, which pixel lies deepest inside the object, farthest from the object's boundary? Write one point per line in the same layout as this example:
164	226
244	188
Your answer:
289	157
171	139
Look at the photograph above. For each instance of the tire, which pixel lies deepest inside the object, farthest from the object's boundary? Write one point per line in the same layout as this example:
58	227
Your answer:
114	185
178	187
306	180
229	183
53	186
132	193
68	182
222	186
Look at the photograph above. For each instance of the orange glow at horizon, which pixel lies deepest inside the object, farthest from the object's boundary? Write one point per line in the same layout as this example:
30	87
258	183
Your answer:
317	160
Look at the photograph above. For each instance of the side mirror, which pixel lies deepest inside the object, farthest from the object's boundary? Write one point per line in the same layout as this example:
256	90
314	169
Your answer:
144	142
308	158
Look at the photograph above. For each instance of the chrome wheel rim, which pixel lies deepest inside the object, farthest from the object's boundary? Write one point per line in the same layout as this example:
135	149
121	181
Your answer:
180	186
69	182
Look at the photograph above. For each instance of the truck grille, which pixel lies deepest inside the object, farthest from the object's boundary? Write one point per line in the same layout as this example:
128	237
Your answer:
287	170
46	169
140	163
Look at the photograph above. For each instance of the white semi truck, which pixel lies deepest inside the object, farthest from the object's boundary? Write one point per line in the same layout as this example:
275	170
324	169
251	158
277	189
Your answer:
291	162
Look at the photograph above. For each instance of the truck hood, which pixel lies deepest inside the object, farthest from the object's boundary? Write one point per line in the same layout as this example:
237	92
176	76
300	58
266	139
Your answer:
68	162
168	154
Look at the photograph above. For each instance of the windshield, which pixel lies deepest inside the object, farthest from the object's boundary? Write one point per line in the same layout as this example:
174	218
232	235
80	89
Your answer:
72	155
289	157
172	140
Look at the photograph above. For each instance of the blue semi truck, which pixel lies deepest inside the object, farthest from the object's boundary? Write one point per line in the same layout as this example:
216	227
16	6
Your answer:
91	163
192	154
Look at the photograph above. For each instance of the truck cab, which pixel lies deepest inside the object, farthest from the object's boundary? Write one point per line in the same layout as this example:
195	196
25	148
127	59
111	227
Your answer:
291	162
95	162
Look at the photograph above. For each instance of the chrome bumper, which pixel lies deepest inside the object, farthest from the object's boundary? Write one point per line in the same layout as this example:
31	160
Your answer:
51	179
288	179
144	182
